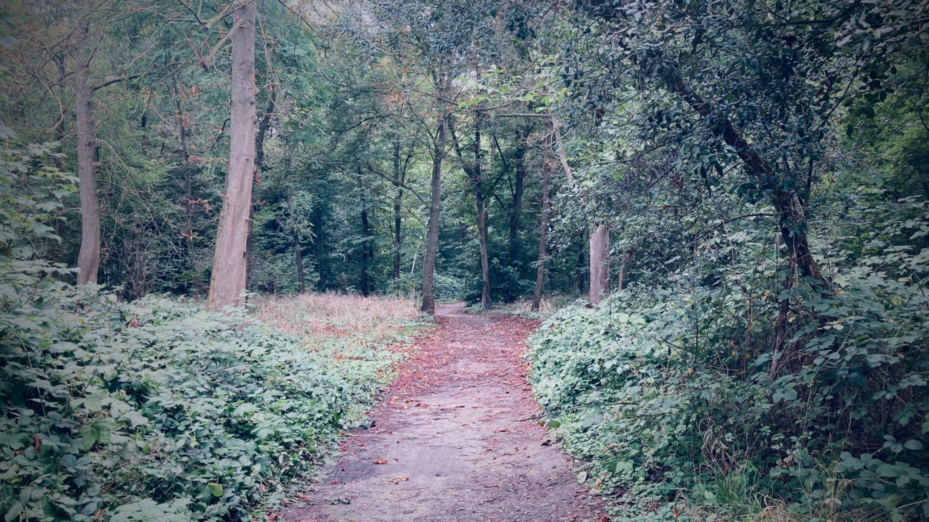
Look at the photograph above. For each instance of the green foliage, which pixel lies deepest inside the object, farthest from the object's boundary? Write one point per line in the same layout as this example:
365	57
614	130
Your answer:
668	390
157	405
151	410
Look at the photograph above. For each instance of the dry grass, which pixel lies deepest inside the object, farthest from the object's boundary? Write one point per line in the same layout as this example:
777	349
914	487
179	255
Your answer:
330	314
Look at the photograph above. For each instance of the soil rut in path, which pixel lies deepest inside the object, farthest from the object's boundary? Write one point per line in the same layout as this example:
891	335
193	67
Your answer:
451	443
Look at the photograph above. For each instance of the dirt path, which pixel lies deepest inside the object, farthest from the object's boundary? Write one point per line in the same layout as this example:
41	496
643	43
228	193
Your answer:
450	443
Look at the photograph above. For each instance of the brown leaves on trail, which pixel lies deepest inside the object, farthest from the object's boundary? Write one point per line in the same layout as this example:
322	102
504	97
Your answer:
398	480
382	461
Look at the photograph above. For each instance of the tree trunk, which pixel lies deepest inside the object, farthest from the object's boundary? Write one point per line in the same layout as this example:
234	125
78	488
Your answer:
473	171
783	311
481	218
432	239
88	260
599	269
581	264
263	126
518	189
298	255
789	216
321	267
60	126
482	237
398	222
364	253
188	190
228	279
543	229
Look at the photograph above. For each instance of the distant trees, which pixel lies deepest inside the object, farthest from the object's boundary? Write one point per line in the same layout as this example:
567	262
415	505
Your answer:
353	127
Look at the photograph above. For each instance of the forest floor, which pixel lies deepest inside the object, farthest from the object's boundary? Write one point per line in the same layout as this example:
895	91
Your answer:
454	440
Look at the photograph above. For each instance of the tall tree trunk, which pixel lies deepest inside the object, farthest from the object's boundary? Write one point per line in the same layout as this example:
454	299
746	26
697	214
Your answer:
432	239
599	269
364	252
398	222
298	258
321	267
790	213
482	238
543	229
60	126
477	176
581	265
298	254
263	126
519	186
227	282
188	190
88	260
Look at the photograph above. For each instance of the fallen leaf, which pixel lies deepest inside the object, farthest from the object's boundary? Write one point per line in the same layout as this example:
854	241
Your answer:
381	461
492	486
398	480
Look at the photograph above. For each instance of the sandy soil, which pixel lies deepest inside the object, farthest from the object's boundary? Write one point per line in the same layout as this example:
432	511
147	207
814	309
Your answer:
454	440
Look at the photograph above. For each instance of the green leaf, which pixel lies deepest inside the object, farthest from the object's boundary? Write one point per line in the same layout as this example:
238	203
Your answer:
216	490
13	512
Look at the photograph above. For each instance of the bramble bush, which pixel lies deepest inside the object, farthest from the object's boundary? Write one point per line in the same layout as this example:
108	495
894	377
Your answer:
667	390
152	410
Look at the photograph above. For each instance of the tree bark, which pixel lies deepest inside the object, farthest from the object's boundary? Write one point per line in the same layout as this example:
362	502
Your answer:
580	265
88	260
365	283
473	171
398	221
543	229
298	254
481	219
432	239
227	282
519	187
782	313
60	126
599	269
482	238
263	126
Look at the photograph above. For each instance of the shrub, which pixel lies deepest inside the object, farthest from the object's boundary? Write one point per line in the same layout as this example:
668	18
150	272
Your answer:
669	390
157	410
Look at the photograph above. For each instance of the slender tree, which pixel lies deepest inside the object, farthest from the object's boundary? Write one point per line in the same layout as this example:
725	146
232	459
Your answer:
228	279
543	224
435	210
88	260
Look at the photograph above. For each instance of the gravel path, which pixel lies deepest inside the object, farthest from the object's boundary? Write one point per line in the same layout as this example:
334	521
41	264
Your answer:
451	442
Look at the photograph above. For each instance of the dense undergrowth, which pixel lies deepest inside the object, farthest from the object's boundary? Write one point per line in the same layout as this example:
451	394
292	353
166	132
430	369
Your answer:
667	388
158	410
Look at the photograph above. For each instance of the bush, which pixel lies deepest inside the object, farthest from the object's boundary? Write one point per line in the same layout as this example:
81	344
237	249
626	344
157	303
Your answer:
156	410
670	393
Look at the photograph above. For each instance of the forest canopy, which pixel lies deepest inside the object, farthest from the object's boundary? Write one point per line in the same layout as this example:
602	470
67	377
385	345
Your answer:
726	201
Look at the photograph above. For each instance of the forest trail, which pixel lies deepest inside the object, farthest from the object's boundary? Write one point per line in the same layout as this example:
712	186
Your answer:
451	441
